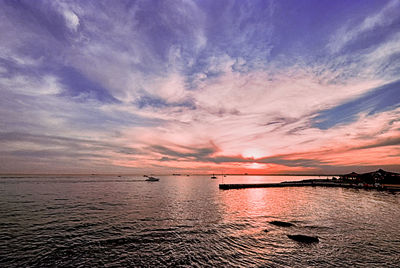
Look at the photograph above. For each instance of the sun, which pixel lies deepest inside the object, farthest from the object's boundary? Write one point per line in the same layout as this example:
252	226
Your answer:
256	166
253	153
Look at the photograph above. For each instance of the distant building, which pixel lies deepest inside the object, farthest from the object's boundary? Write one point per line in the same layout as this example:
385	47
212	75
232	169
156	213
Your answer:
354	177
380	176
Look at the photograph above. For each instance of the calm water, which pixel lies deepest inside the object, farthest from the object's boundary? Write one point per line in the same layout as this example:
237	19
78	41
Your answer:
187	221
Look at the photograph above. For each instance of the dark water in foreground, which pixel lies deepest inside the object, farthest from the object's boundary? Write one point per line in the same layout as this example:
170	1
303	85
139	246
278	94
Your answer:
187	221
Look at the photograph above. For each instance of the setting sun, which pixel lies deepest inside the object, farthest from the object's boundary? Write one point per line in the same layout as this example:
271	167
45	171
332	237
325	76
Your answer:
256	166
253	153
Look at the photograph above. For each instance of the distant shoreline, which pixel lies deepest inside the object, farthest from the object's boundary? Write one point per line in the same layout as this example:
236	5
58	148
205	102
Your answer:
175	175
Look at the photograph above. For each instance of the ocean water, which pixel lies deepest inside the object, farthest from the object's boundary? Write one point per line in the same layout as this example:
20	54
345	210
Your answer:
110	221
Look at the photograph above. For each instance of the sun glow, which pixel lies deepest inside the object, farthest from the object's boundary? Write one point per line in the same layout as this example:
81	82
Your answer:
256	166
253	153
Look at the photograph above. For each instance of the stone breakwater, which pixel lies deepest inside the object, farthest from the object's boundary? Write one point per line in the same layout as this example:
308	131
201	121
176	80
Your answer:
320	183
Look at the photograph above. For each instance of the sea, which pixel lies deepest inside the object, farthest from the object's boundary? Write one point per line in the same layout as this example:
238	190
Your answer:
186	221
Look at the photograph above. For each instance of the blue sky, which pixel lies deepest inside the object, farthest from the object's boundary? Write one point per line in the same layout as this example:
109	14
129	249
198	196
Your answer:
198	86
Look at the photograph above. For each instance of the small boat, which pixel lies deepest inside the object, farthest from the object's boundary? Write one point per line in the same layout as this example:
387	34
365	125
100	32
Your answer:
150	178
213	177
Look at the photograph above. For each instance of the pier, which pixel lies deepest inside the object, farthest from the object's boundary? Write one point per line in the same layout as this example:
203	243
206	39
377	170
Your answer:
284	184
320	183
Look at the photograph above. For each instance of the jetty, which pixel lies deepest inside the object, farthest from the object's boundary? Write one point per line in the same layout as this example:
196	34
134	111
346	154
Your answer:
326	183
379	180
314	183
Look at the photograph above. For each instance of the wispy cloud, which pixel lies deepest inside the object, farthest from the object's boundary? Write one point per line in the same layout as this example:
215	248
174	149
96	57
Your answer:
196	85
350	32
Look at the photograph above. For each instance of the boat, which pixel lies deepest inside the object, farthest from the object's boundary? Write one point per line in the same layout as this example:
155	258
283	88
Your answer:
213	177
150	178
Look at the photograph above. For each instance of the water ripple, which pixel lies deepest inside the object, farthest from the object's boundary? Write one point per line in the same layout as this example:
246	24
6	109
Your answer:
190	223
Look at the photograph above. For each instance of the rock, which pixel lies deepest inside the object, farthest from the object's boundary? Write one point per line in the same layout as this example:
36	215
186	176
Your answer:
304	238
281	223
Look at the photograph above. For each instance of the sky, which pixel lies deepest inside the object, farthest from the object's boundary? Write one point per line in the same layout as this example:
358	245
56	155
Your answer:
203	86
